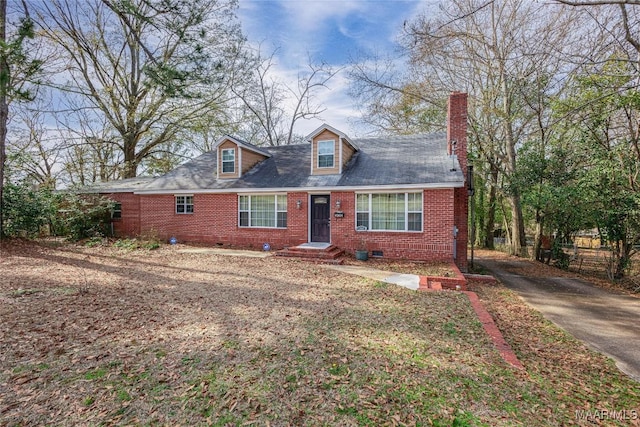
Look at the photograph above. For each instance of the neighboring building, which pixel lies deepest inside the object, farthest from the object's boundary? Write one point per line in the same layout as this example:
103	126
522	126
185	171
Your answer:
399	197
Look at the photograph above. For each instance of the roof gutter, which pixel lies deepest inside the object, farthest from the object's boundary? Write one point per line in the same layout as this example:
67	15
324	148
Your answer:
367	188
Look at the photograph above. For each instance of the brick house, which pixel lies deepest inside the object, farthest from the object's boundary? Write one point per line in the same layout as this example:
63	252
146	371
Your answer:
398	197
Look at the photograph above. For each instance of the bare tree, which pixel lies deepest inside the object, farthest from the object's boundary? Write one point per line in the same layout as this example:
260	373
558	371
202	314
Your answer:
148	71
90	147
266	97
34	150
394	99
4	107
505	60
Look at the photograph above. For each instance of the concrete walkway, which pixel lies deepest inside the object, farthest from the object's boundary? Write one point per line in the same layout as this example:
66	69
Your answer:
607	321
230	252
410	281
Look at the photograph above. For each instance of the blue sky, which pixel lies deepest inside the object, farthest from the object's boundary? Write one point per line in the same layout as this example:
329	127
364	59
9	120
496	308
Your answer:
331	31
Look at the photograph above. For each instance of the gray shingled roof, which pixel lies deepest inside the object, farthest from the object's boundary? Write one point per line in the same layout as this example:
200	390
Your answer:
390	161
121	186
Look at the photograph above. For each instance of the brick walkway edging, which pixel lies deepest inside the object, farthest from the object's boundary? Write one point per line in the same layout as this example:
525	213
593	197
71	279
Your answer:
492	330
428	283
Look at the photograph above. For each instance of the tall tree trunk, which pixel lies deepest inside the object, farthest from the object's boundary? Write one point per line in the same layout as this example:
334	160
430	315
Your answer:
4	107
490	221
537	241
130	167
518	238
505	222
621	260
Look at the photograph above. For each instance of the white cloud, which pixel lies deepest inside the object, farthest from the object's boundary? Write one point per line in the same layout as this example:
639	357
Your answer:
331	31
310	16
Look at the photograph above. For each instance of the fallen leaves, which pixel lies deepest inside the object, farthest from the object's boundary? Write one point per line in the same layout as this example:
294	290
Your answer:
101	335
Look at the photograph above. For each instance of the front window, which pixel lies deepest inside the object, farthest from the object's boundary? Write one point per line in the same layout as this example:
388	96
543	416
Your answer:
389	211
184	204
326	154
228	160
263	211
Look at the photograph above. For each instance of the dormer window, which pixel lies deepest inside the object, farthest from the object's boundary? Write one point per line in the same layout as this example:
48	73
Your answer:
229	160
326	154
235	157
331	151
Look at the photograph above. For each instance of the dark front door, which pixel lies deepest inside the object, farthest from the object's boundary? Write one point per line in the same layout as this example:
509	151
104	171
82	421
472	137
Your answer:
320	215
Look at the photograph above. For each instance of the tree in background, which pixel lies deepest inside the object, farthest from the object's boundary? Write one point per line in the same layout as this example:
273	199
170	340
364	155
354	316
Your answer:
17	70
604	110
509	64
148	69
395	101
265	97
34	152
605	107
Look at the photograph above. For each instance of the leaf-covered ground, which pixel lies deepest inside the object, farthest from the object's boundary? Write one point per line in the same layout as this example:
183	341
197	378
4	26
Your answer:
109	336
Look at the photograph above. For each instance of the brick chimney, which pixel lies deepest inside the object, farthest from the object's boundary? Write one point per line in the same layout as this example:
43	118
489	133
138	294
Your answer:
457	144
457	128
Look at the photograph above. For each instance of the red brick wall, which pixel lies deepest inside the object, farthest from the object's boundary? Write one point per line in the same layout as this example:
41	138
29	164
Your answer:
129	224
215	221
434	243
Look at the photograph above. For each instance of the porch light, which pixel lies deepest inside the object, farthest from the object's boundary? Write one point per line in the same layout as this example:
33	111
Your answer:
299	204
338	204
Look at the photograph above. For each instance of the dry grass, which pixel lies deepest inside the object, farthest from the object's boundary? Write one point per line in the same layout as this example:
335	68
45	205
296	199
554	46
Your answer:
109	336
430	268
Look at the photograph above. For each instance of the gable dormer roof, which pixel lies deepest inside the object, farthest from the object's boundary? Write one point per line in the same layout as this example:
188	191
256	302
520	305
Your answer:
243	144
324	127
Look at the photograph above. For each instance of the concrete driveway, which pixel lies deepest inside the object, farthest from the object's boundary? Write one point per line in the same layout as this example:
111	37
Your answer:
607	321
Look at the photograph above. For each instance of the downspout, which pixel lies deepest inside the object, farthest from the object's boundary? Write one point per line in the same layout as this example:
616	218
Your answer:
455	242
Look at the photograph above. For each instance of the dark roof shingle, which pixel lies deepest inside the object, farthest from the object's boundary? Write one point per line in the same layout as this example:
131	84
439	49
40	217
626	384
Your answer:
389	161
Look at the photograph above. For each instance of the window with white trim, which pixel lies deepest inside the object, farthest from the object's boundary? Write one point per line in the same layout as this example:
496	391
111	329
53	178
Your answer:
389	211
262	211
228	160
326	154
184	204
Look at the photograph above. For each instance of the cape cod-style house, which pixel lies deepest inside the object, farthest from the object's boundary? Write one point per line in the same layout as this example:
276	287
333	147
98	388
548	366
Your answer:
398	196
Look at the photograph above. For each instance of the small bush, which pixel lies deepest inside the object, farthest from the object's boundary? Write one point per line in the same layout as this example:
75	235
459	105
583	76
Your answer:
133	244
151	245
84	215
95	241
27	209
561	258
150	239
128	244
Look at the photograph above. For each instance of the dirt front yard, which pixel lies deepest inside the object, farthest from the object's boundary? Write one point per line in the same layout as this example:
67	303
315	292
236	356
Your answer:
109	336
